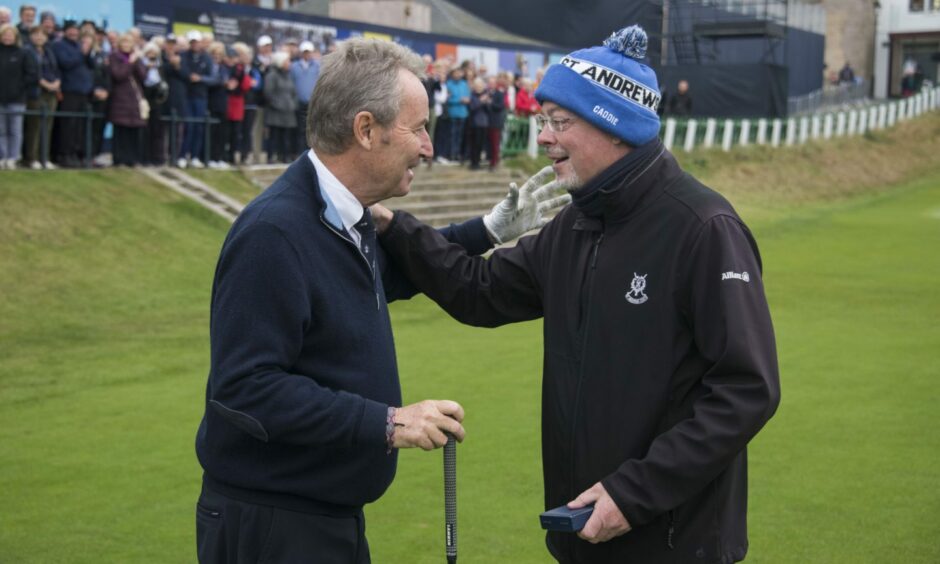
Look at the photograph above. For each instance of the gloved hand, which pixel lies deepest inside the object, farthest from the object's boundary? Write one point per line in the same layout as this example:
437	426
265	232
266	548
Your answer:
524	209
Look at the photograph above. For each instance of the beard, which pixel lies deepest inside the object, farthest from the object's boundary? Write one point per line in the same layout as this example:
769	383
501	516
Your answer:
572	183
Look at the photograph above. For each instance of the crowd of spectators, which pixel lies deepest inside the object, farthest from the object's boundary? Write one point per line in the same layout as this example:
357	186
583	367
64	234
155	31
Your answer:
155	95
469	108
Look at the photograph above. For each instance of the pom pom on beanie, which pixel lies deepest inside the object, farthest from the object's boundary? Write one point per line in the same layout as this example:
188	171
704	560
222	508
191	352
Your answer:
631	41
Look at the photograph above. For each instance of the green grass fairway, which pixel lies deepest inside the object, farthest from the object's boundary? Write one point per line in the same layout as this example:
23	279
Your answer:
104	354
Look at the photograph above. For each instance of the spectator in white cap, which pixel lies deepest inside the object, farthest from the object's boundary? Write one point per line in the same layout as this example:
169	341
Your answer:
304	71
265	49
201	73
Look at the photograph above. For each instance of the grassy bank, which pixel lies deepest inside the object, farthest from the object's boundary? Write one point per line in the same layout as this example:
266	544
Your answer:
103	346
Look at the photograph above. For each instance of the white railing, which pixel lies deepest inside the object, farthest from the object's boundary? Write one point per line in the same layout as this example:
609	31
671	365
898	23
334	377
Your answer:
828	98
706	133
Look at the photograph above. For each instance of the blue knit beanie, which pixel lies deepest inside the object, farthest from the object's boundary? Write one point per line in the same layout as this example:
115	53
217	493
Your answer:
608	86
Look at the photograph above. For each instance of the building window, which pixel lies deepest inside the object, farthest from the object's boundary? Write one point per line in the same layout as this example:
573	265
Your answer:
917	5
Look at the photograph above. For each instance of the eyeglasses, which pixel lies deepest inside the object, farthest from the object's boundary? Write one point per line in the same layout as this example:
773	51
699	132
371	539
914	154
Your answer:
555	124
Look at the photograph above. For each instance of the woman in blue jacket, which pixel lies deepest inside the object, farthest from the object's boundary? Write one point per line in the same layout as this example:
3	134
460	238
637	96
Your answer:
458	101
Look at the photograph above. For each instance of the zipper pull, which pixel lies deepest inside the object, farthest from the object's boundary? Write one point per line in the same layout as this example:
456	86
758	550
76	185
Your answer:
378	302
597	246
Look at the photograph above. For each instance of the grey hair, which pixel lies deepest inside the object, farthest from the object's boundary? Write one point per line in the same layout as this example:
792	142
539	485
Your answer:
278	59
360	76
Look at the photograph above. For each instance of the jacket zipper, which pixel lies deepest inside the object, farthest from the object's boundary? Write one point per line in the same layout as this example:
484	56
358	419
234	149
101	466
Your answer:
589	283
672	529
378	303
597	246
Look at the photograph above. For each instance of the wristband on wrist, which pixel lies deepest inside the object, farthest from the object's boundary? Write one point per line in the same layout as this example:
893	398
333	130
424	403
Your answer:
390	429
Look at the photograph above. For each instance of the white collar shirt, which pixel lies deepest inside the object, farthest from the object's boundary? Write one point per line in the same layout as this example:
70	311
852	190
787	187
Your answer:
348	207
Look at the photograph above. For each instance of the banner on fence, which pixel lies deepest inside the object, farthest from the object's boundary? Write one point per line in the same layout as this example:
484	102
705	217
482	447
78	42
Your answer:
235	22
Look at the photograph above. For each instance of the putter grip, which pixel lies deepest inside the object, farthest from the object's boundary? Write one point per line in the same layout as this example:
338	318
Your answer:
450	497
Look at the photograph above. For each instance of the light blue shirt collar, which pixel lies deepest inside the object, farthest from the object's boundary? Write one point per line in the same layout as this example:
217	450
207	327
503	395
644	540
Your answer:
346	205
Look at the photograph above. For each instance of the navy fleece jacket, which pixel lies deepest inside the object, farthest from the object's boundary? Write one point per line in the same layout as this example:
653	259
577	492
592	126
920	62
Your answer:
303	364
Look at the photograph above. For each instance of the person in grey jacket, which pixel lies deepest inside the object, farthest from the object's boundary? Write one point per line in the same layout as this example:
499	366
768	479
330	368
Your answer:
280	114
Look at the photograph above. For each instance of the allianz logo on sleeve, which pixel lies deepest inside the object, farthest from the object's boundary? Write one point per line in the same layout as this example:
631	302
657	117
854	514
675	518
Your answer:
742	276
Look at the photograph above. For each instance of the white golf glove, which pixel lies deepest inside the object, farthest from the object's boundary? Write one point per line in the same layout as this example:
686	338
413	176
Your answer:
524	209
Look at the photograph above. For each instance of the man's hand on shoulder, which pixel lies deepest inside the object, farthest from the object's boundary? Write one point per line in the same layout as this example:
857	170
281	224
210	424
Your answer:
423	424
606	521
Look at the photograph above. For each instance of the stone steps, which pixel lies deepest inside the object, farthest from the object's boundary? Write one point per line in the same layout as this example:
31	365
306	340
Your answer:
196	190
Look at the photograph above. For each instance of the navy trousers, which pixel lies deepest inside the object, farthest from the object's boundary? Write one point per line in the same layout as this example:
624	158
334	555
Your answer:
195	136
233	531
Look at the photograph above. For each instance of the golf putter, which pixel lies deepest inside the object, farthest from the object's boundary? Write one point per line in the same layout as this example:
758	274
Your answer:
450	498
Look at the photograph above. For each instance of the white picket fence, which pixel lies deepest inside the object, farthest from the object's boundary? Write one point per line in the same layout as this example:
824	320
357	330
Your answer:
692	134
726	133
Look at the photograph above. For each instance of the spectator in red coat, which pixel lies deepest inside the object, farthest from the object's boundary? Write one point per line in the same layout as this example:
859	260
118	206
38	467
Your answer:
238	83
525	102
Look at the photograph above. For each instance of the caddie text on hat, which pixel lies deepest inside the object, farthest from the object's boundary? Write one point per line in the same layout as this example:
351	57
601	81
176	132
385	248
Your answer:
615	82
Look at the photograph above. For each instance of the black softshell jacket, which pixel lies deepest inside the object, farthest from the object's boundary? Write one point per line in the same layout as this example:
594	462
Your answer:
659	355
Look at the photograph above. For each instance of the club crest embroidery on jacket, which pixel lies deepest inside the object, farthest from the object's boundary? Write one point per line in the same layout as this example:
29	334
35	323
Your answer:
637	286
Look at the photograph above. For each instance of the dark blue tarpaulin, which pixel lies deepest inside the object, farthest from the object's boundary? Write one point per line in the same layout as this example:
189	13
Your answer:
569	23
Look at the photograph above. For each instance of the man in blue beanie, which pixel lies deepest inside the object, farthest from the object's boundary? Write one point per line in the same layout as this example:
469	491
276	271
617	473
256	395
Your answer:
659	357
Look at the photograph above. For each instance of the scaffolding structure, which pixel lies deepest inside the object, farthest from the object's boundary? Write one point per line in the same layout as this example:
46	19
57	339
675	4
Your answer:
702	32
